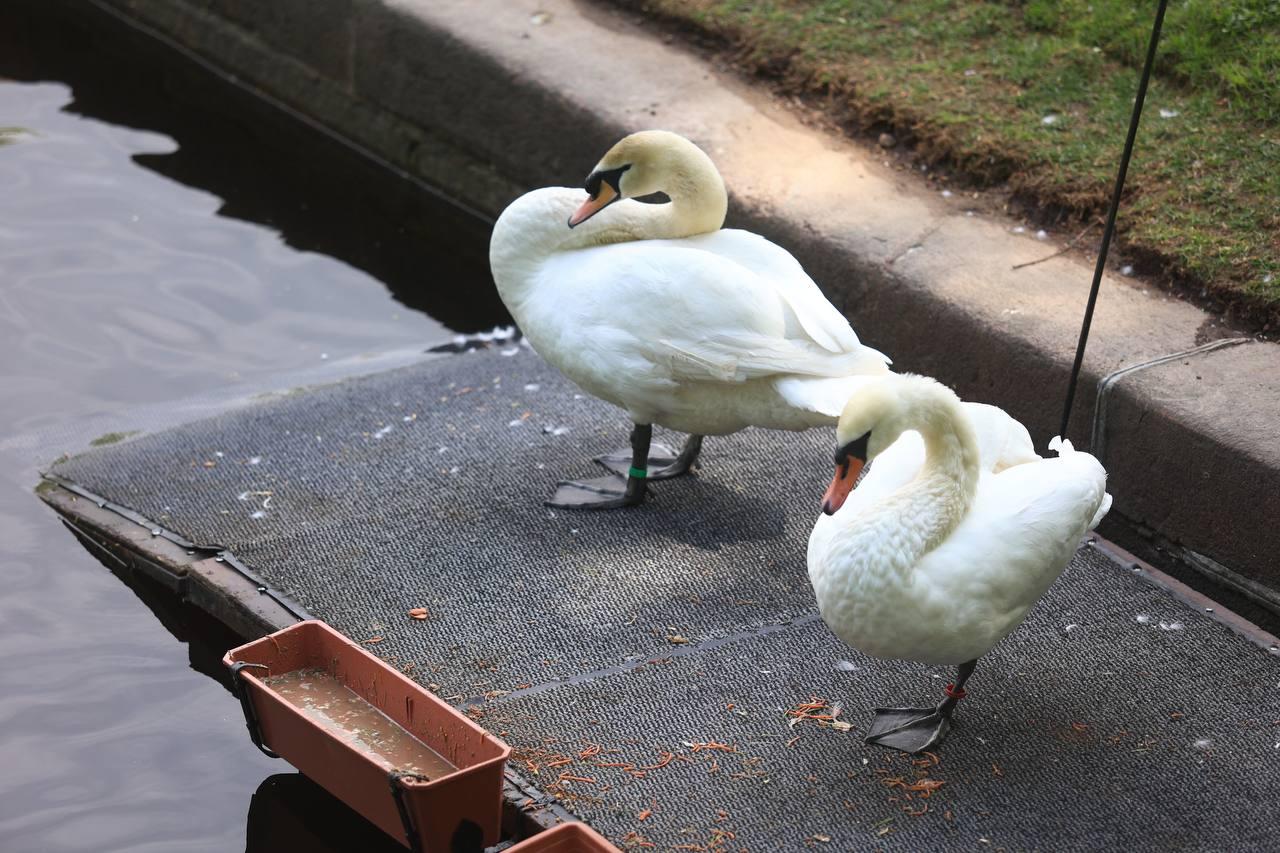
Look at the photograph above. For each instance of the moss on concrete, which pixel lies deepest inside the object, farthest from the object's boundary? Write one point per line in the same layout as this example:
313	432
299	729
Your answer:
112	438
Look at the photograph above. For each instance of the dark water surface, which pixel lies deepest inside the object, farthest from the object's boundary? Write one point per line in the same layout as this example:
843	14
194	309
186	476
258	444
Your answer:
162	237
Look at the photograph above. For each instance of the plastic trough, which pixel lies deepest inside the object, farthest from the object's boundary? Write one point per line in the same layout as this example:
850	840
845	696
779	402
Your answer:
453	809
566	838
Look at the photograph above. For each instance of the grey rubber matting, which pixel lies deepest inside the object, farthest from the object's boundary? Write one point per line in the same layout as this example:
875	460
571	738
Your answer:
1116	718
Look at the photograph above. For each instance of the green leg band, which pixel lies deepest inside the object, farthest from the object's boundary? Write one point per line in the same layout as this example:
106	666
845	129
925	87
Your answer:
638	473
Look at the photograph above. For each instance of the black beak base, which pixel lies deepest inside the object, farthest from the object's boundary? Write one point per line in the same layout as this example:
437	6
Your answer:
856	449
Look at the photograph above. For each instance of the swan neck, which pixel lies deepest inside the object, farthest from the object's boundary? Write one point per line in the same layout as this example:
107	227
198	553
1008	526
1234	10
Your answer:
924	512
948	481
534	227
699	201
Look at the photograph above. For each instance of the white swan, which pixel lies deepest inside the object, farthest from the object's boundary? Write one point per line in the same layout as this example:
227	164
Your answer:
931	558
657	309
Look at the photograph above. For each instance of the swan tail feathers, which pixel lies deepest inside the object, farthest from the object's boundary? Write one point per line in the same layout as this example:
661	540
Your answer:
1064	449
824	395
1102	511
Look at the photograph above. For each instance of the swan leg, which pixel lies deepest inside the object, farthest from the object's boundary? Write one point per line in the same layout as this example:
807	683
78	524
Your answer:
664	463
918	729
610	492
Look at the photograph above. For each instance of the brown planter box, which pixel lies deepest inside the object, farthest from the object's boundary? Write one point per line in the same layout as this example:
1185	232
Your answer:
566	838
291	685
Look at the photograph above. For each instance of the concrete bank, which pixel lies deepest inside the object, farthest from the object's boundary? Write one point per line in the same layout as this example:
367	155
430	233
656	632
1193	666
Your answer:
486	98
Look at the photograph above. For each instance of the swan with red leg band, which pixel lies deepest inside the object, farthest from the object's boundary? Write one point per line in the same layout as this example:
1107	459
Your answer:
954	530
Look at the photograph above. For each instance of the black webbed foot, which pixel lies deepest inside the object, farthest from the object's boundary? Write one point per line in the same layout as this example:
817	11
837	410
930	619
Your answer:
598	493
664	463
909	729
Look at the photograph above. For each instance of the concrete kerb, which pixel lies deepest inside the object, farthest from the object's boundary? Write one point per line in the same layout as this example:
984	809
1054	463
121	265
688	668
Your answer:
484	98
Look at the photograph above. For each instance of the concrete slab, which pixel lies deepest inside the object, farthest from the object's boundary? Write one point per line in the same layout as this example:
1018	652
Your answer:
489	97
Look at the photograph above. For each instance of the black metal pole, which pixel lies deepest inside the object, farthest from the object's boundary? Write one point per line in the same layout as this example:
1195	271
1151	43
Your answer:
1110	228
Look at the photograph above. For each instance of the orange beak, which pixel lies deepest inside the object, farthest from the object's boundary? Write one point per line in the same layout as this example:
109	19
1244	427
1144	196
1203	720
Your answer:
842	484
594	204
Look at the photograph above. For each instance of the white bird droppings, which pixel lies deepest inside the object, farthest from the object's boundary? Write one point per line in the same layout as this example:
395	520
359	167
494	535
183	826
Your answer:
1171	626
845	666
532	386
1167	113
1142	619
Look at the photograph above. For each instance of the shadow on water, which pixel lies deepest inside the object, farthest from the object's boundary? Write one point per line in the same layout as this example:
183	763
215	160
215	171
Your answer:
289	812
265	167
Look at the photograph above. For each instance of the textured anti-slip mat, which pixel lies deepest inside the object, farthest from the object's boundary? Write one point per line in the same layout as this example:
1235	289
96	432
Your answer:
1116	718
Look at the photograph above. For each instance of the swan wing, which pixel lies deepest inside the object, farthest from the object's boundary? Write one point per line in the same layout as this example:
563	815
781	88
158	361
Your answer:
821	321
689	314
1019	534
1003	442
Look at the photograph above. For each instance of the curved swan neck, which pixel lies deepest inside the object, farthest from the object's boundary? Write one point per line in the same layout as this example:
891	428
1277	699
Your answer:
681	170
534	227
921	514
699	201
941	494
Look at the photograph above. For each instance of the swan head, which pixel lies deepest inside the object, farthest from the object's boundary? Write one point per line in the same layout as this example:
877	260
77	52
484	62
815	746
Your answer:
644	163
873	419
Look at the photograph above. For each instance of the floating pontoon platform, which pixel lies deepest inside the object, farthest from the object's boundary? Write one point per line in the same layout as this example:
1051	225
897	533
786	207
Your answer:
662	673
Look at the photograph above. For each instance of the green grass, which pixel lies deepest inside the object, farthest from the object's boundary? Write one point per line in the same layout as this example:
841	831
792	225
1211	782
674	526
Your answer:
970	84
1231	47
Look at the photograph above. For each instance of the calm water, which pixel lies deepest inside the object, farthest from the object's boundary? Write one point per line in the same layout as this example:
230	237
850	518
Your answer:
154	248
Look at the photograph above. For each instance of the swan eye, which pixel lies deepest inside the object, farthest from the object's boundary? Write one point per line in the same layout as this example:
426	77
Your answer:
856	449
612	176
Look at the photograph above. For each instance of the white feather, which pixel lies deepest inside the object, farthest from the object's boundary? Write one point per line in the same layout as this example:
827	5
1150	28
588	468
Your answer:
888	585
705	334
